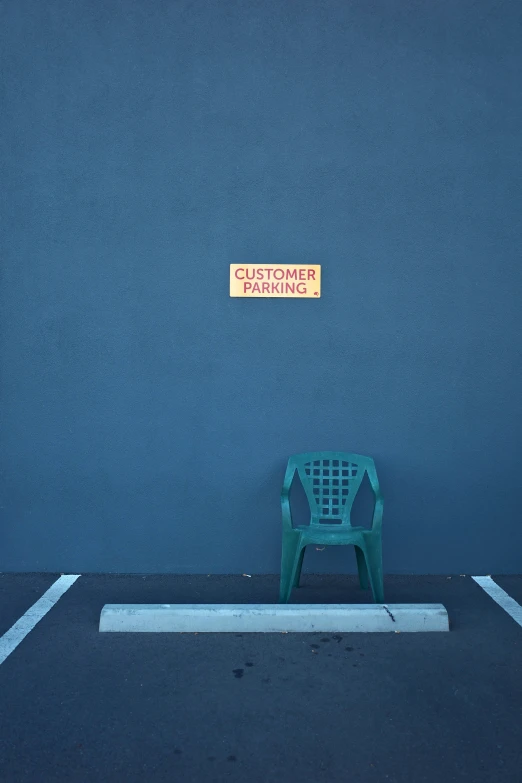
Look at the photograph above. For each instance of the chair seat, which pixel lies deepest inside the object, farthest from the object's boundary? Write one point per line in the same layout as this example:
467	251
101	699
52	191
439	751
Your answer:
329	528
334	534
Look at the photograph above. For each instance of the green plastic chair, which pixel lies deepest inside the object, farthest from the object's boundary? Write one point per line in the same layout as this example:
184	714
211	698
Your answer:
331	480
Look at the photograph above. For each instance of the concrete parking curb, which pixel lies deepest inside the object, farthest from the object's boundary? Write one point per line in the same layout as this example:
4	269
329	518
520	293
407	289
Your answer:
273	618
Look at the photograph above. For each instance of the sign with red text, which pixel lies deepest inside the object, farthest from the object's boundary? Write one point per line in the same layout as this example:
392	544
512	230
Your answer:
279	280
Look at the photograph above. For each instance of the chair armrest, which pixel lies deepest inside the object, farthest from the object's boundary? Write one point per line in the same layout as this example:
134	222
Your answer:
286	512
377	513
379	502
285	498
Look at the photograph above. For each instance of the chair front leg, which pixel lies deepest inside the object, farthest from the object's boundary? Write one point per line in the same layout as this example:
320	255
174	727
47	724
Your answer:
374	560
289	562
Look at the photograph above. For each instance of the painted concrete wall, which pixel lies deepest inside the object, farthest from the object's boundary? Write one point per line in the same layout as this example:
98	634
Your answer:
146	416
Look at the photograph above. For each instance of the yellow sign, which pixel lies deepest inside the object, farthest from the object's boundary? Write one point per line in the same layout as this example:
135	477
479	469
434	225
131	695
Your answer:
278	280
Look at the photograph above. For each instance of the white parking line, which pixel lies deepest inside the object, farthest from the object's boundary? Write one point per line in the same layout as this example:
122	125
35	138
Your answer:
17	633
501	597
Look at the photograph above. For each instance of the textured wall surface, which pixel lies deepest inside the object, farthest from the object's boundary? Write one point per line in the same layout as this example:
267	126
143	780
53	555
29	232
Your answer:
146	145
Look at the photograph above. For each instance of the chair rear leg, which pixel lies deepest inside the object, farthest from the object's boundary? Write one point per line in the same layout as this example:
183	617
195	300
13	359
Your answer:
299	566
362	568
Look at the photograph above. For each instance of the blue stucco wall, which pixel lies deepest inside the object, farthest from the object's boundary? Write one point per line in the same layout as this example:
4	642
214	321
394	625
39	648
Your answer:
146	416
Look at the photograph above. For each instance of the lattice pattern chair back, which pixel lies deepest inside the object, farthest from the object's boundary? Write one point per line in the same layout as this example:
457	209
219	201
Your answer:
331	482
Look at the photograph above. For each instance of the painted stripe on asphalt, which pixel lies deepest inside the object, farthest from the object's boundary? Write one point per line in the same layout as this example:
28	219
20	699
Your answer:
17	633
501	597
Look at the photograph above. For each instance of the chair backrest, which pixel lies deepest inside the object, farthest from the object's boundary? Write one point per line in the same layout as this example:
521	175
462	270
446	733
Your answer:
331	480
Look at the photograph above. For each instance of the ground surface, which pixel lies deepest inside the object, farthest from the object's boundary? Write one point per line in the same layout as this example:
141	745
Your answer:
77	705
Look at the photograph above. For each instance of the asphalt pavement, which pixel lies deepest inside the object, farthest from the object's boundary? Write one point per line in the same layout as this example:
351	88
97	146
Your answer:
77	705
